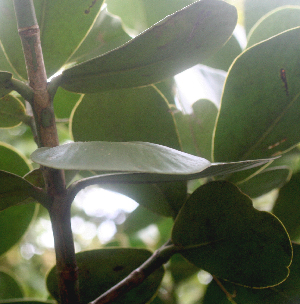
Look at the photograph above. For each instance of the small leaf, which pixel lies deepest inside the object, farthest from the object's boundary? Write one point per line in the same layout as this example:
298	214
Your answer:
256	9
265	181
286	293
275	22
9	286
181	269
174	44
120	157
218	230
106	34
163	198
12	160
12	111
13	190
5	83
99	270
140	218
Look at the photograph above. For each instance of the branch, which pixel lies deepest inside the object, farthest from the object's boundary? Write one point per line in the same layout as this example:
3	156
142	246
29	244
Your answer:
44	119
139	275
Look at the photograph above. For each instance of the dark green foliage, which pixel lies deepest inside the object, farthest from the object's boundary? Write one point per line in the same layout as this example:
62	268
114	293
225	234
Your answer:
130	134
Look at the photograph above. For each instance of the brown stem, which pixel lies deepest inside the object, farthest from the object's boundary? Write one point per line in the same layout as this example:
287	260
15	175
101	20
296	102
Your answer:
41	103
67	271
139	275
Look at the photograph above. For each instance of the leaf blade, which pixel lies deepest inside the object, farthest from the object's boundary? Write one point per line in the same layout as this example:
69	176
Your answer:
170	46
218	226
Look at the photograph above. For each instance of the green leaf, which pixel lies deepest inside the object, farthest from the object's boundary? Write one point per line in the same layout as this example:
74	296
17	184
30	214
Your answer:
5	83
106	34
12	160
140	114
255	9
12	112
14	190
174	44
265	114
218	230
101	269
138	15
181	269
72	19
9	286
275	22
266	181
286	293
64	102
140	218
286	207
13	224
16	219
225	56
196	129
120	157
12	57
164	198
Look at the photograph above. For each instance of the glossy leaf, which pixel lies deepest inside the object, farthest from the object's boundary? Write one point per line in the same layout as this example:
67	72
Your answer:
183	171
266	181
140	114
106	34
12	112
255	9
286	207
275	22
286	293
9	286
5	83
65	22
120	157
219	230
101	269
266	113
169	47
